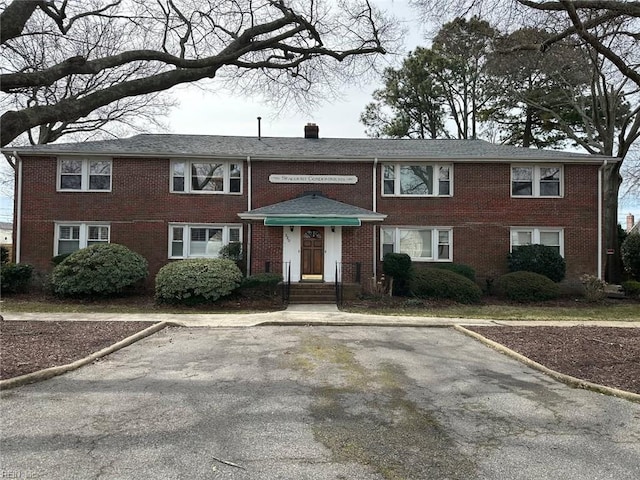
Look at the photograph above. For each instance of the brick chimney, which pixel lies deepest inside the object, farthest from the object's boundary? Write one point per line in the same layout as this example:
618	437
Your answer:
311	130
630	222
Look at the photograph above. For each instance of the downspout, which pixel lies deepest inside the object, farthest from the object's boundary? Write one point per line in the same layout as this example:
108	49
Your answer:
600	233
375	209
18	207
249	230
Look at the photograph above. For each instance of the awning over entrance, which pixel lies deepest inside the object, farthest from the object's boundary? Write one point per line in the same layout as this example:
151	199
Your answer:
312	210
313	221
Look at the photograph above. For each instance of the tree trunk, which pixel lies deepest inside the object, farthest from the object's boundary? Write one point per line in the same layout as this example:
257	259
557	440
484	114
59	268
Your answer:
611	187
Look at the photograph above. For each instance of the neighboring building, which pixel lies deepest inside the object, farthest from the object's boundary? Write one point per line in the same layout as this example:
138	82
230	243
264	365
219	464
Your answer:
632	226
310	206
6	233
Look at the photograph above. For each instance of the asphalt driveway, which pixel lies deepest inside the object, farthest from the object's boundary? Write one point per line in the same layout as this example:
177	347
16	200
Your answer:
314	403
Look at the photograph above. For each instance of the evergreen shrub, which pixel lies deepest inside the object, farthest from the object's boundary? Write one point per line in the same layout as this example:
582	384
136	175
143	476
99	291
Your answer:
630	253
631	288
198	280
459	268
15	277
260	285
4	255
99	270
538	259
443	284
398	266
527	287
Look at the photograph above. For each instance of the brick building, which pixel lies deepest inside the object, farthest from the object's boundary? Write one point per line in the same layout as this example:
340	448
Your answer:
309	207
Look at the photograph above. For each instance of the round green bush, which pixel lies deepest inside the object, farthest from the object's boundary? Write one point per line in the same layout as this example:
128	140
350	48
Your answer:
15	277
538	259
630	253
437	283
196	281
527	287
99	270
631	288
459	268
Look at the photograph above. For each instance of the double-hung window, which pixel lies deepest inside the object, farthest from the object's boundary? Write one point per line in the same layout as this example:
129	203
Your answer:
536	181
201	176
74	236
420	179
85	174
201	241
551	237
426	244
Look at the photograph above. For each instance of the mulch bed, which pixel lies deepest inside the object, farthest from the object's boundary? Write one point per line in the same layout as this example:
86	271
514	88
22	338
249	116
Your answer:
605	355
30	346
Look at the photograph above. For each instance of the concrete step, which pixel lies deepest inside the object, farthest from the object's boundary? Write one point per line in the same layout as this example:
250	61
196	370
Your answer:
312	293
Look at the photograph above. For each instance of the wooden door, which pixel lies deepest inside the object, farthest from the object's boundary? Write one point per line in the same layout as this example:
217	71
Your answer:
312	253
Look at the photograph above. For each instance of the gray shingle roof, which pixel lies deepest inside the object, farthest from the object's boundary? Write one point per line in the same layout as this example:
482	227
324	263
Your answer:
313	206
289	148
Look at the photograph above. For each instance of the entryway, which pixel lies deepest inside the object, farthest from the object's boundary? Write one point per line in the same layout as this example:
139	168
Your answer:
312	253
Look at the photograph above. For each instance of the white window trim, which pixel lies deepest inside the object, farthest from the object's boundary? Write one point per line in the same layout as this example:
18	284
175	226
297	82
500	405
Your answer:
435	188
226	180
434	242
84	175
84	233
536	180
186	237
535	235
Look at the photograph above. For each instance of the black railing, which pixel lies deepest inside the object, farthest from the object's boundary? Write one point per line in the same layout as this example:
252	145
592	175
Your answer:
285	269
346	272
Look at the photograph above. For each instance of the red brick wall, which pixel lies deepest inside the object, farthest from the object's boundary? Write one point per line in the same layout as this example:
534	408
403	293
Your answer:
481	212
139	208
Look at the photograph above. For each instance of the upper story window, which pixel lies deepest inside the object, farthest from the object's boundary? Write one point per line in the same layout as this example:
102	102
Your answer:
74	236
201	241
536	181
551	237
424	244
421	179
89	175
198	176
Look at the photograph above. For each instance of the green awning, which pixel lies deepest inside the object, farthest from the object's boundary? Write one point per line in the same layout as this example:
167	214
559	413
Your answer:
313	221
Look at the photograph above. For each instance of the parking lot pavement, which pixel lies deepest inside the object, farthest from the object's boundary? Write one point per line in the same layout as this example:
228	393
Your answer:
292	402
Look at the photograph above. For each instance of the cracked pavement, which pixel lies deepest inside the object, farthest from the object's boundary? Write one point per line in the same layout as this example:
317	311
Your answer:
314	403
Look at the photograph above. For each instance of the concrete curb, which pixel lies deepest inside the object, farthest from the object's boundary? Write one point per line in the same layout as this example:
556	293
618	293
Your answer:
47	373
561	377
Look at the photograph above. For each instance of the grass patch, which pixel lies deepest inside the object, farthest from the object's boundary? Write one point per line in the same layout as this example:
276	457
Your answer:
579	312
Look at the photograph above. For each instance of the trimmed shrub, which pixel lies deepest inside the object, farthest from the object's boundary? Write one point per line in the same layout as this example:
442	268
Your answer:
459	268
57	260
398	266
195	281
630	253
443	284
260	285
538	259
527	287
631	288
99	270
4	255
15	277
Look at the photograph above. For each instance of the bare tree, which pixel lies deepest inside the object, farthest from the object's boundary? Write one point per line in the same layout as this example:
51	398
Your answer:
581	19
33	52
286	50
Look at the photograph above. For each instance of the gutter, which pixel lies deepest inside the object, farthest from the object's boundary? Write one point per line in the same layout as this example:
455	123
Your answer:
17	221
249	226
375	209
600	207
